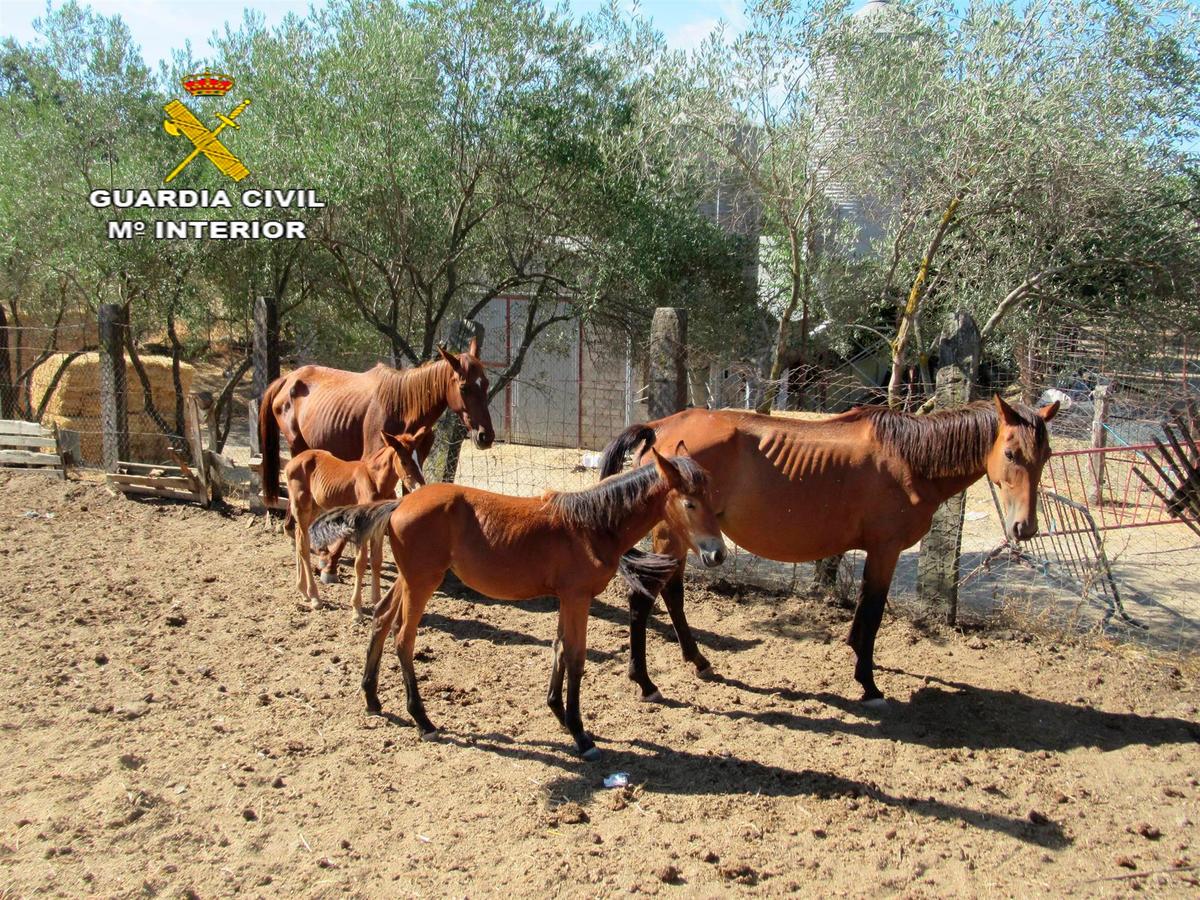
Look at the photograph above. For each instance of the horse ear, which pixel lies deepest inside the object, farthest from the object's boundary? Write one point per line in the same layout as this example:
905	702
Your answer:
450	358
1048	412
682	450
1008	415
667	470
473	349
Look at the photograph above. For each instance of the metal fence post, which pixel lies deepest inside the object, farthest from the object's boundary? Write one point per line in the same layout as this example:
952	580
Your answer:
114	417
937	569
668	362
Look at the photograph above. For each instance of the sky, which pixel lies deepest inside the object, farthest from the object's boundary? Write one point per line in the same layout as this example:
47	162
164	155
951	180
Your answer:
159	26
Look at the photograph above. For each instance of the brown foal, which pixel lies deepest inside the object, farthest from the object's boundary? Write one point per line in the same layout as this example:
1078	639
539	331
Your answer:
568	545
318	480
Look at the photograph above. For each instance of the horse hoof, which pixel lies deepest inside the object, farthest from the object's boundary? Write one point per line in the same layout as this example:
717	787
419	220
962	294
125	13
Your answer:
330	578
431	735
655	697
591	754
708	673
879	704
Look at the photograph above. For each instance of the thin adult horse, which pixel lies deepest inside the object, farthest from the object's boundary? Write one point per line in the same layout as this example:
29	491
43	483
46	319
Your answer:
567	545
345	413
869	479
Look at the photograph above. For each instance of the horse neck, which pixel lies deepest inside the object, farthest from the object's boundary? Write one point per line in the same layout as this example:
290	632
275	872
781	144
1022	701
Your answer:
383	476
636	523
417	397
957	475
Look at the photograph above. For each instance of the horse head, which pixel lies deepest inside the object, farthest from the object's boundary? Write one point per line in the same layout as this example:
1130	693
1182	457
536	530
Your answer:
689	510
1015	465
467	396
402	450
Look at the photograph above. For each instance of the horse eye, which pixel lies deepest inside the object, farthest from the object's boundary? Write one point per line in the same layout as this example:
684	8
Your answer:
1010	456
688	504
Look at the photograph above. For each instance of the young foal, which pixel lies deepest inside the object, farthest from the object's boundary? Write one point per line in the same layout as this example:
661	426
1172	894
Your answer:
516	548
318	480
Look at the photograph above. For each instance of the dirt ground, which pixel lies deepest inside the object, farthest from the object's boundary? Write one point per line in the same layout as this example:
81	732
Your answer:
175	725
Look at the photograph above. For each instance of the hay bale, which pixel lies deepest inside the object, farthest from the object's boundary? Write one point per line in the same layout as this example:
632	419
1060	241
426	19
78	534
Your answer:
75	403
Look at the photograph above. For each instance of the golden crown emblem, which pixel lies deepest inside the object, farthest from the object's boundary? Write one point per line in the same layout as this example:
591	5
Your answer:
207	84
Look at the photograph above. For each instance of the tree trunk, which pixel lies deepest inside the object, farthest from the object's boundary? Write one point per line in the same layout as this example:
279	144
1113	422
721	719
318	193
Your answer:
912	308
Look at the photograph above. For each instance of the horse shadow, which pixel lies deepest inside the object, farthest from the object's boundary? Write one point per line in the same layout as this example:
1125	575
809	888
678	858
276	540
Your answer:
473	629
950	714
669	771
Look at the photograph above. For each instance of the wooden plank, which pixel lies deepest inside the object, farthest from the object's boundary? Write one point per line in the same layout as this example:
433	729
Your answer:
168	469
146	490
175	483
26	440
16	426
27	458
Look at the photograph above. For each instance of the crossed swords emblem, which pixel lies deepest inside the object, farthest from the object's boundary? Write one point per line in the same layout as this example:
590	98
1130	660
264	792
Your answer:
182	121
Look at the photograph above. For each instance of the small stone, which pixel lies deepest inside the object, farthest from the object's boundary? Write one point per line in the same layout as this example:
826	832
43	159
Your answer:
326	863
738	874
710	857
344	844
1125	862
668	874
819	833
571	813
1148	831
176	620
101	658
890	834
134	710
129	761
1037	818
278	782
249	815
100	707
264	699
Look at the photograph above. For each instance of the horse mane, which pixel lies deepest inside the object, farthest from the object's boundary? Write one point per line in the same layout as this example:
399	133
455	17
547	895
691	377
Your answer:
606	505
950	442
410	393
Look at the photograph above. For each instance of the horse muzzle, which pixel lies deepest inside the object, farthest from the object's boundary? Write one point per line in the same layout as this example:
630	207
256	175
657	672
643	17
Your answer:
482	439
713	555
1023	529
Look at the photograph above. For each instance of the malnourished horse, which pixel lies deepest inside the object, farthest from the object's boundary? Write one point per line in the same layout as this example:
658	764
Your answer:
317	480
869	479
567	545
345	413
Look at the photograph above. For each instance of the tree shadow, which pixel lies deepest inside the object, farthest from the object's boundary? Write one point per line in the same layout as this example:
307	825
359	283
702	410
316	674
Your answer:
947	714
672	772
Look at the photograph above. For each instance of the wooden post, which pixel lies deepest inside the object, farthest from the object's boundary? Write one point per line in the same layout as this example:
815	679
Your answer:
668	362
1101	398
114	418
450	430
937	569
266	346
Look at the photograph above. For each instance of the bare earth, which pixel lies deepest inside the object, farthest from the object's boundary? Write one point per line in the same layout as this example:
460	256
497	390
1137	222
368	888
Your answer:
176	725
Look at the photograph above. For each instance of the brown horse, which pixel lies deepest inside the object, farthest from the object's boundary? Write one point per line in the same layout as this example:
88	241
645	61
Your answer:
567	545
869	479
345	413
317	480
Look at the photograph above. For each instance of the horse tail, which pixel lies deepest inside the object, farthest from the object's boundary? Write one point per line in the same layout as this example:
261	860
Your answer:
268	441
614	454
646	573
359	524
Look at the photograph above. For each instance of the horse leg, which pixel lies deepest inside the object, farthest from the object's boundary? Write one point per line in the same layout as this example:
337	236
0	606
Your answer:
302	508
385	615
557	670
376	569
413	606
639	612
360	568
329	563
572	620
672	595
877	578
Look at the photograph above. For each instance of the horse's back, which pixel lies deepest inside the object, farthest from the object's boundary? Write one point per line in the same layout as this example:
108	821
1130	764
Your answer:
324	408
